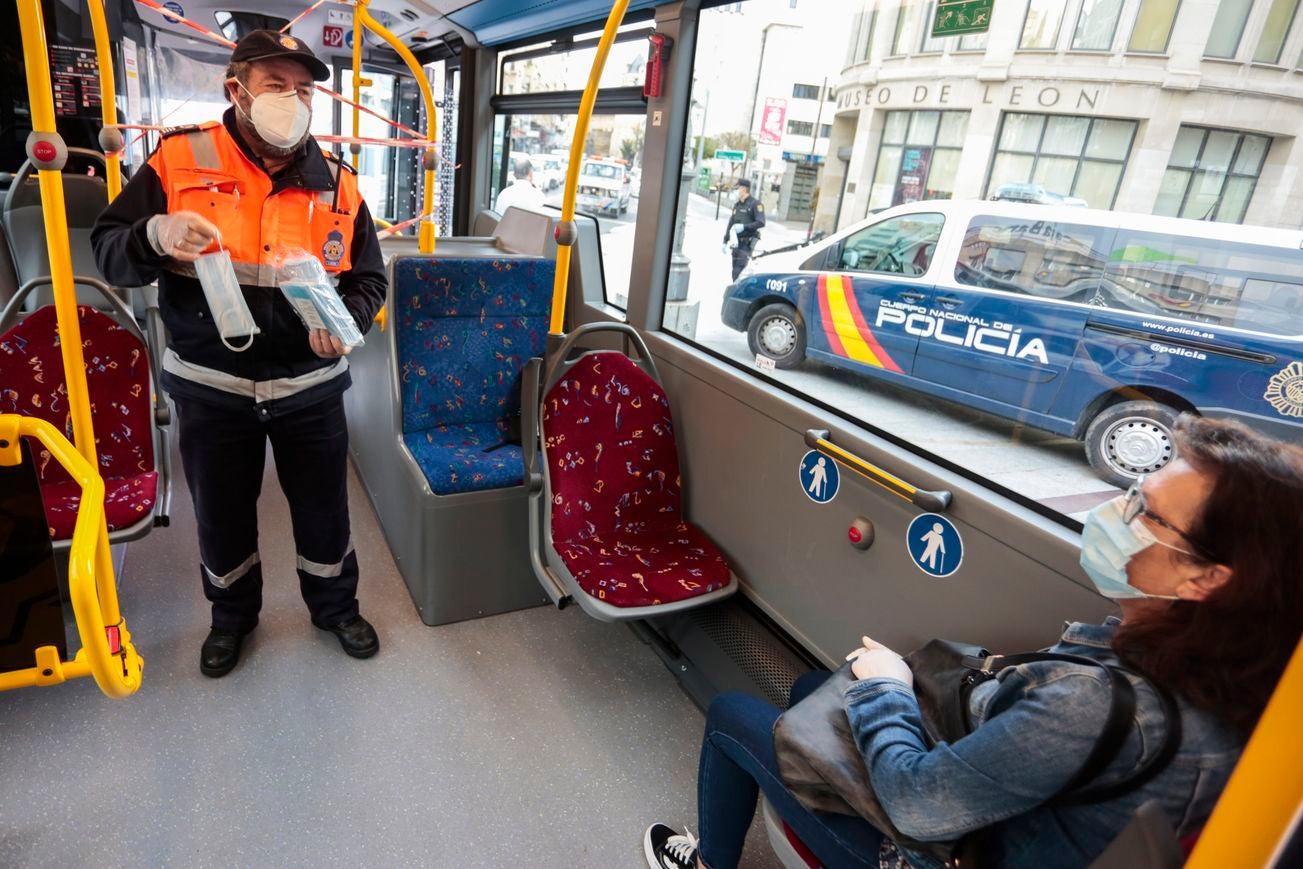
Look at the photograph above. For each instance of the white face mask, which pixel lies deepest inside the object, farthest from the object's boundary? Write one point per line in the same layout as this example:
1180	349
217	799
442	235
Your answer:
281	119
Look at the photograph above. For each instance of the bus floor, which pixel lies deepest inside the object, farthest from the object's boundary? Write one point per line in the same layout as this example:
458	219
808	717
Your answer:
535	738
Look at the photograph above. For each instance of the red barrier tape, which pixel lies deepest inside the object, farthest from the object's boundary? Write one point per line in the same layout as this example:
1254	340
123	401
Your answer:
187	22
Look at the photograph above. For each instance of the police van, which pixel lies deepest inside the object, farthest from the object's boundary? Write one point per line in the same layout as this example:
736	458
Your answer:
1094	324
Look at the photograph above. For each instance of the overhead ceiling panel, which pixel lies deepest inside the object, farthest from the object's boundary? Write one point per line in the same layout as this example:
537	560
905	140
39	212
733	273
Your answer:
497	21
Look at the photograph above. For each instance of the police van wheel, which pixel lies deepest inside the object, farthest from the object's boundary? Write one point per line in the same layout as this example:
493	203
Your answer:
1129	439
777	332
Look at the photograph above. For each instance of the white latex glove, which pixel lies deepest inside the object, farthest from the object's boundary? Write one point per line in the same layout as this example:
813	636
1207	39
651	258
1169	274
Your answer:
182	236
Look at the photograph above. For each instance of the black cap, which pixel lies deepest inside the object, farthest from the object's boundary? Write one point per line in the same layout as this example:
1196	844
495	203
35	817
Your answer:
742	182
268	44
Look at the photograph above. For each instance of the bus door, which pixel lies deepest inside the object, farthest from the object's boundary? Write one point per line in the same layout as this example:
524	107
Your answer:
1002	328
862	311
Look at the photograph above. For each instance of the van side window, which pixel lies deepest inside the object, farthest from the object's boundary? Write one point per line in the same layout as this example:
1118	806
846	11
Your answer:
899	245
1219	282
1034	257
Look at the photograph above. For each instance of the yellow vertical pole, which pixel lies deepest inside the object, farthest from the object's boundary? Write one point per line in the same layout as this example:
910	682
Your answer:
1265	793
359	18
108	96
425	236
576	157
46	146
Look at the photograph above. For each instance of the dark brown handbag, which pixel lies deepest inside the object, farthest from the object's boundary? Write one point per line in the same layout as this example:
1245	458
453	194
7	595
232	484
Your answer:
823	768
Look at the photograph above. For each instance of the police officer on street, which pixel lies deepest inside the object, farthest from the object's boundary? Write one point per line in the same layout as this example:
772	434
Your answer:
748	216
257	186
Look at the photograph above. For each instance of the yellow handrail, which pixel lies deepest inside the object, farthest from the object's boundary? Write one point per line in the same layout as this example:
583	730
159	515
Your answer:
108	96
47	150
357	75
613	22
90	574
425	235
46	138
1265	792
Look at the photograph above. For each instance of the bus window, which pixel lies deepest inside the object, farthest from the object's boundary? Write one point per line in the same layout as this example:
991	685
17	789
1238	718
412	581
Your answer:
608	189
1005	276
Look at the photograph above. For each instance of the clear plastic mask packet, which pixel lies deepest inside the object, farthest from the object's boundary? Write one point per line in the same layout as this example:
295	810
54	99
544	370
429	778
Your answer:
226	299
307	286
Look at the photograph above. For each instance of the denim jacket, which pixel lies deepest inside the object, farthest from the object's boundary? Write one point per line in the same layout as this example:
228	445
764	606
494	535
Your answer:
1033	728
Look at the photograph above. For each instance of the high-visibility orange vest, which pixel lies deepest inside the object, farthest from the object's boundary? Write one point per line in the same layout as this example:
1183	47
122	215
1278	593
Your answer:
203	170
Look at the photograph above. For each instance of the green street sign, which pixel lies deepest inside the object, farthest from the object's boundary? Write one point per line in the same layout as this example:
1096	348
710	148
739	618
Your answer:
731	156
957	17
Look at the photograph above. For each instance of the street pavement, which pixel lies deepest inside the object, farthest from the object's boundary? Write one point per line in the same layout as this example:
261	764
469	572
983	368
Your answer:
1047	468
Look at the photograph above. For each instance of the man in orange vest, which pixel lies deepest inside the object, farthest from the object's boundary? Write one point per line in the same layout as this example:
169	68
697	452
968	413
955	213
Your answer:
257	186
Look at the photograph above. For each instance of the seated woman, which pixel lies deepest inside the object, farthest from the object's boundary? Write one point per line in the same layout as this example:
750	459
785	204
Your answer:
1203	558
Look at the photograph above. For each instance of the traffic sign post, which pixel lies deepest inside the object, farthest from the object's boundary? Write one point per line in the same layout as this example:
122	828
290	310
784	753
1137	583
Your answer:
958	17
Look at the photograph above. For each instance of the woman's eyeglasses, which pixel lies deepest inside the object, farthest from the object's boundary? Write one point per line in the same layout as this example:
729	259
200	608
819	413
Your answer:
1135	506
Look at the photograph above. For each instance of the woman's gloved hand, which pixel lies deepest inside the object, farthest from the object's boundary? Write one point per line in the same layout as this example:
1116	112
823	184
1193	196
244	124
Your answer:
182	236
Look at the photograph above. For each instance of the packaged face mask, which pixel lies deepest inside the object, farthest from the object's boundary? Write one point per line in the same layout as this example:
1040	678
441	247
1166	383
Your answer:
226	299
306	285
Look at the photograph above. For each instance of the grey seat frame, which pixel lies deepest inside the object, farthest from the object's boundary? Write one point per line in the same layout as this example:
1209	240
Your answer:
560	584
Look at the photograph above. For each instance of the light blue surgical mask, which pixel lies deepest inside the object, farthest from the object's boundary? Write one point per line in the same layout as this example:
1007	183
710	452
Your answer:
1108	543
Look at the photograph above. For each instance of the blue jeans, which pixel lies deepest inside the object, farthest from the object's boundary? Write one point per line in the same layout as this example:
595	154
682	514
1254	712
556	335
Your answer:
737	761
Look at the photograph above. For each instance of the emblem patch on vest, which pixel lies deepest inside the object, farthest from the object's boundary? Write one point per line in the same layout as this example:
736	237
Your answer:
332	252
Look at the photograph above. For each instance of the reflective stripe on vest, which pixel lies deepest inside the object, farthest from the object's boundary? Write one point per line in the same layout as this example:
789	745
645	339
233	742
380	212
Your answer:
205	171
259	390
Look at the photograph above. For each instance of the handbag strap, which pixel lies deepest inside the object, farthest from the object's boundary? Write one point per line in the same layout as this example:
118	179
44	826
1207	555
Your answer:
1121	713
1151	767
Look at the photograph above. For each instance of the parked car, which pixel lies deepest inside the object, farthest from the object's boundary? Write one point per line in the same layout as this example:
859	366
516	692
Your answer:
604	186
1034	193
1098	325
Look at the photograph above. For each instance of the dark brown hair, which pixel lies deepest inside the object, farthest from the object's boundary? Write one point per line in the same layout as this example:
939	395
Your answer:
1224	654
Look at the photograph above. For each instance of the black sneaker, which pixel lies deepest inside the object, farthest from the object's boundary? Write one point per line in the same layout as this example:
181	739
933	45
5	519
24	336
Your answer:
666	849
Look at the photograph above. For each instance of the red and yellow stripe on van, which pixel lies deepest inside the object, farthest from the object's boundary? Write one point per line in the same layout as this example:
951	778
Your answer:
843	324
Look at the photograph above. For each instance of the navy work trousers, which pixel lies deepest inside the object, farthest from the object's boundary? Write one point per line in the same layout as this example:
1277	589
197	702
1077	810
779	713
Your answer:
738	761
223	450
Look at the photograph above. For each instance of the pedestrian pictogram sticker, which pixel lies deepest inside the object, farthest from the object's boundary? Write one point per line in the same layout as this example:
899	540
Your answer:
935	545
819	476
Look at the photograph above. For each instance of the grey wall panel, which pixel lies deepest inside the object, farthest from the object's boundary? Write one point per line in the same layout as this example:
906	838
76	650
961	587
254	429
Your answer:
741	447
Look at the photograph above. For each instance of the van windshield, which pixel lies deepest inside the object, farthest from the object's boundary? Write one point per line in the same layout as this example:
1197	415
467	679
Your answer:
602	170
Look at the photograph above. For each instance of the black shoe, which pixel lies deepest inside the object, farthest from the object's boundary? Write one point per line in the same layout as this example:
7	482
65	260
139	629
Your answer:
356	636
220	653
666	849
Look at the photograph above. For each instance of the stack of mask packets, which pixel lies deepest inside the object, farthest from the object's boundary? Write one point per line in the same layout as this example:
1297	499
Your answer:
304	281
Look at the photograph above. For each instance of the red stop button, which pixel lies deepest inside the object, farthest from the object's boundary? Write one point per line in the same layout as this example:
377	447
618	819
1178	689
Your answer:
854	535
44	152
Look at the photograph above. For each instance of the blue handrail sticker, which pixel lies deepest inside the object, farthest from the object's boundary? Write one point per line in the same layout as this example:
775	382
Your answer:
819	476
935	545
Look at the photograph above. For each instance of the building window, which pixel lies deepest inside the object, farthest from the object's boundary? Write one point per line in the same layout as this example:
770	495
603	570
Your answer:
1096	25
1153	26
859	48
1274	33
1228	27
805	91
800	128
1064	154
1041	29
931	44
825	131
973	42
904	29
1211	174
918	158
